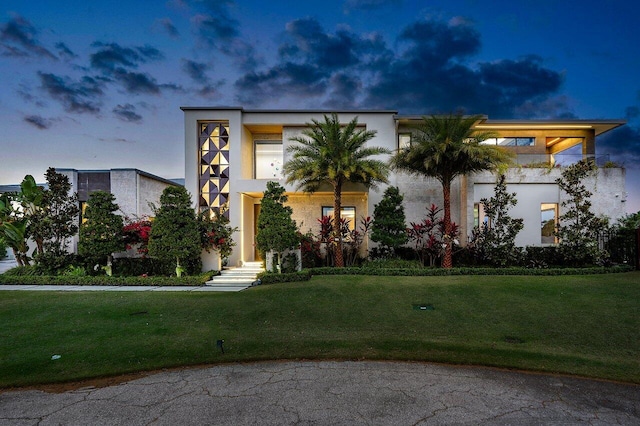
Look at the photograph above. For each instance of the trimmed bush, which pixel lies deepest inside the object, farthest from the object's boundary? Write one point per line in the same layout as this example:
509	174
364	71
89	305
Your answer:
467	271
195	280
274	278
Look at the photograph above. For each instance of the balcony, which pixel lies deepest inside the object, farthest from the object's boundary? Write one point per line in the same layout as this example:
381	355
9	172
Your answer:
559	160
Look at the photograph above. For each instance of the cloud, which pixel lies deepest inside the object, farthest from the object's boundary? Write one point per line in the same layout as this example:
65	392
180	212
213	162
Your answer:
166	25
196	70
75	96
64	51
307	61
343	86
622	145
288	79
366	5
431	69
127	112
18	38
38	121
111	56
214	27
432	75
118	63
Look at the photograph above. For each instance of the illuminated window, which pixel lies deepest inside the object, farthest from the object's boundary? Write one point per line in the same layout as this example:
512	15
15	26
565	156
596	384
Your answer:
214	166
346	213
404	140
548	222
268	155
510	141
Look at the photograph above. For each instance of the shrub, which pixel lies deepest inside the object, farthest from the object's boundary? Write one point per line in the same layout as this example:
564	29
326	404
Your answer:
274	278
175	235
389	228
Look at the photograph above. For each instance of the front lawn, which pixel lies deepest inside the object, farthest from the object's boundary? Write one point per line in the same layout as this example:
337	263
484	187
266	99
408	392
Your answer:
585	325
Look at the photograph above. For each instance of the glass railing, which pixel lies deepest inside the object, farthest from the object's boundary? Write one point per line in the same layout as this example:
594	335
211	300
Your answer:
559	160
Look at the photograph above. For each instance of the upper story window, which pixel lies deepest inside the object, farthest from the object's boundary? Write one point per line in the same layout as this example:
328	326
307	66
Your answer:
510	141
268	159
404	140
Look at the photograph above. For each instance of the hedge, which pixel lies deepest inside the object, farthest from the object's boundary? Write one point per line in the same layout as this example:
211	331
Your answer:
273	278
194	280
467	271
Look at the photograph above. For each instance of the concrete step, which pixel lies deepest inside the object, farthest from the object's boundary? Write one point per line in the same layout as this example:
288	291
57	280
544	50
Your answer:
236	279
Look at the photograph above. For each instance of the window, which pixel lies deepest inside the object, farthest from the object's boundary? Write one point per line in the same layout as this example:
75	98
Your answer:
479	215
404	140
269	156
548	221
510	141
346	213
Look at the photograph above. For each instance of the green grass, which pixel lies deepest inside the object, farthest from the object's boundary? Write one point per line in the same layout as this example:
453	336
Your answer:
584	325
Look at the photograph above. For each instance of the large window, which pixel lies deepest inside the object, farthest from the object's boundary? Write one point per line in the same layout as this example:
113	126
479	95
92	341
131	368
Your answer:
510	141
404	140
268	155
346	213
548	222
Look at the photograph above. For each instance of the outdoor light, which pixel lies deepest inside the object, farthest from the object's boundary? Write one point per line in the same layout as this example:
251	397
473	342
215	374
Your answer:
219	344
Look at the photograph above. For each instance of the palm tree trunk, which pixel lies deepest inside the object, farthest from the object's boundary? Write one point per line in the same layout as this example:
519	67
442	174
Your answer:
337	234
447	261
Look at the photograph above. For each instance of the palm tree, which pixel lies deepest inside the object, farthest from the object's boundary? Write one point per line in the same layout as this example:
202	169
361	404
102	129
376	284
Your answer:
332	154
445	147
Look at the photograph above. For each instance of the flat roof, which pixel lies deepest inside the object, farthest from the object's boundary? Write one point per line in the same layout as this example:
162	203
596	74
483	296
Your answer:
289	111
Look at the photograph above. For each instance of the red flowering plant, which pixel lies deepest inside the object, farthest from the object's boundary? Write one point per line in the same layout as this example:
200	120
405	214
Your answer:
428	236
136	234
215	232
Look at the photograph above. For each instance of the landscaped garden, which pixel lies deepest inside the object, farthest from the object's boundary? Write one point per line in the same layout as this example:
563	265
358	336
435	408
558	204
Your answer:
584	325
502	305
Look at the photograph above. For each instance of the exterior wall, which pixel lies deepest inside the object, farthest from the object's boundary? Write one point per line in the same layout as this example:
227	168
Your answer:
536	186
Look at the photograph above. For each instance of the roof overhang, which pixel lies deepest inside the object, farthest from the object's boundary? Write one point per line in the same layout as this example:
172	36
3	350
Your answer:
599	126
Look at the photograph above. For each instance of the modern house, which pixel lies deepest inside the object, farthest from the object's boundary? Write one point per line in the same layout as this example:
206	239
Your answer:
231	153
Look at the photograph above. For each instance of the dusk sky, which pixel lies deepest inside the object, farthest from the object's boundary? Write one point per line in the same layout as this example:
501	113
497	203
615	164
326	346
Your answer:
99	85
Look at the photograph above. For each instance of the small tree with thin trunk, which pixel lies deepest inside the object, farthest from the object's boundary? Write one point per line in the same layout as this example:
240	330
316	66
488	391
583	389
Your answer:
54	224
175	234
494	241
276	230
579	226
388	227
101	231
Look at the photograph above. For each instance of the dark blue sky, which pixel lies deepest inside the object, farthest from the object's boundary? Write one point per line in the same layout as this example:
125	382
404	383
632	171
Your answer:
99	84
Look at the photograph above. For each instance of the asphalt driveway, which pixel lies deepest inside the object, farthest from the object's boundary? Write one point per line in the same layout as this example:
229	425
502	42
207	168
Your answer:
331	393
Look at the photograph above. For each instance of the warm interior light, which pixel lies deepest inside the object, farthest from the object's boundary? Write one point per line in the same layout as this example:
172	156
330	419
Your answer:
529	126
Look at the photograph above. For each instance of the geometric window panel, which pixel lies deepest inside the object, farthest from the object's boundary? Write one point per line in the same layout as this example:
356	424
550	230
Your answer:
213	144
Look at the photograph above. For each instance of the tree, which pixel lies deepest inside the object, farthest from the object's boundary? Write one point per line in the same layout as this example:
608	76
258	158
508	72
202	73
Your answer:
389	227
54	223
494	241
276	230
101	232
445	147
13	227
578	227
332	154
175	235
